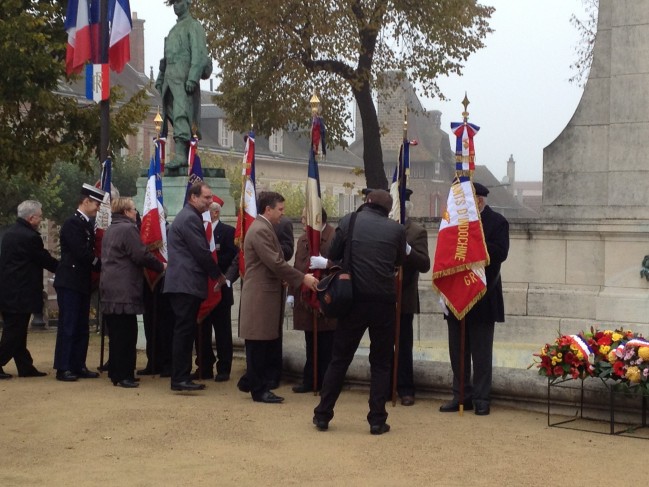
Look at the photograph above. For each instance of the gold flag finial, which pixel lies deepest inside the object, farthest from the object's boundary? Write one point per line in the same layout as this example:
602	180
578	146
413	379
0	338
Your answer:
465	102
157	121
315	104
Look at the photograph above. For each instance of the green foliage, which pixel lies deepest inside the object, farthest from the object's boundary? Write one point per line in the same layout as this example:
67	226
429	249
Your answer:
294	194
18	188
274	54
126	170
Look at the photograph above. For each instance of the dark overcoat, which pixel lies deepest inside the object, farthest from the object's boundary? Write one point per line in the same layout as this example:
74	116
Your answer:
78	258
418	261
226	251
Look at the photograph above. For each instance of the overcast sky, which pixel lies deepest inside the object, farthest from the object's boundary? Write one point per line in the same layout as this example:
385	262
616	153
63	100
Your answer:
517	85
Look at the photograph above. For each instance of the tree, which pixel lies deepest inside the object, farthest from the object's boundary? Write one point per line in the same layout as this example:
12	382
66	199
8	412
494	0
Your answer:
274	54
587	29
38	124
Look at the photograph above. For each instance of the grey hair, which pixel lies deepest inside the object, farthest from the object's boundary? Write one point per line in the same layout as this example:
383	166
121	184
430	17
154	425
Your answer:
215	206
409	207
28	208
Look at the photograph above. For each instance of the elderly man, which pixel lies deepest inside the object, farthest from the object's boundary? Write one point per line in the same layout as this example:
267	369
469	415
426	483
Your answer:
378	246
262	296
185	63
73	285
22	261
190	263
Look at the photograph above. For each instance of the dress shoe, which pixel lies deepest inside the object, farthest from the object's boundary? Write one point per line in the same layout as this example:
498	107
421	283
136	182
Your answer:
128	383
87	374
379	429
146	371
269	398
407	400
302	388
273	384
33	373
222	377
201	376
186	385
321	424
454	406
482	409
3	375
66	376
243	384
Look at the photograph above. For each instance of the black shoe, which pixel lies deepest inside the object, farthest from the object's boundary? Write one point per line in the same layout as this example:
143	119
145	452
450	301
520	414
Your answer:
243	384
103	368
146	371
321	424
66	376
186	386
379	429
87	374
273	384
33	373
454	406
128	383
201	376
482	409
3	375
269	398
408	401
222	377
302	388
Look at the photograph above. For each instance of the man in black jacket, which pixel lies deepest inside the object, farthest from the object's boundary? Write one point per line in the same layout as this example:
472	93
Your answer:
73	285
480	321
22	261
378	245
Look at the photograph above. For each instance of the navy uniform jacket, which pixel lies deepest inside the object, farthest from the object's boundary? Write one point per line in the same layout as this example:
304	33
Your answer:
78	258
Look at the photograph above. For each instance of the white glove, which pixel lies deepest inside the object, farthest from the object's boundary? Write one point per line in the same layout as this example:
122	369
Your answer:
318	262
290	301
228	283
408	248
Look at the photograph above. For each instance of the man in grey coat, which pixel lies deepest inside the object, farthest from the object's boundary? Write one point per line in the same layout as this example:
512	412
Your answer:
190	263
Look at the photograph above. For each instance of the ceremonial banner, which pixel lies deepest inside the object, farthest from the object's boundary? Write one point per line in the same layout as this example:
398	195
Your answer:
464	148
97	82
119	44
103	217
461	252
77	25
248	205
153	231
213	297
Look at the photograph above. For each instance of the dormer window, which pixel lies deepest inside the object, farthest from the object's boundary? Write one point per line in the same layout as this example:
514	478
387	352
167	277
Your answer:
275	141
226	136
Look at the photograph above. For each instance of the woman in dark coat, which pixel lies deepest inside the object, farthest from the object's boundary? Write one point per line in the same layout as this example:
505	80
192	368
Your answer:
123	256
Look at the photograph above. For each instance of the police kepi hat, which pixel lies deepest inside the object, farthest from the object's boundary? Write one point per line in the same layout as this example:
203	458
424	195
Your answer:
92	192
480	190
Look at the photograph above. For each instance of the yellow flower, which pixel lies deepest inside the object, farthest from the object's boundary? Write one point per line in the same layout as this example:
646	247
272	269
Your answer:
616	337
643	353
604	349
554	360
611	356
633	374
580	355
559	355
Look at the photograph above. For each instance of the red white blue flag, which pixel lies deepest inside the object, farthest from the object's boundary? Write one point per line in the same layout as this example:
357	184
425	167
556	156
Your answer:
195	167
464	148
103	218
153	231
400	182
97	82
213	297
248	205
461	252
119	44
77	25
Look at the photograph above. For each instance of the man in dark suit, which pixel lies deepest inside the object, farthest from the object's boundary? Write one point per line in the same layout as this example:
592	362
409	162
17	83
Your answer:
190	264
416	261
22	261
220	318
480	321
73	285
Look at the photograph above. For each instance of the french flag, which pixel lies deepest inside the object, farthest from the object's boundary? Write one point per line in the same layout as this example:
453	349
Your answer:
77	25
213	297
248	207
97	82
119	13
153	232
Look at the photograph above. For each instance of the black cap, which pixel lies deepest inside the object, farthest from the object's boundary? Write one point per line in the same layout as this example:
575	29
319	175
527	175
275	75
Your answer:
480	190
408	194
92	192
366	191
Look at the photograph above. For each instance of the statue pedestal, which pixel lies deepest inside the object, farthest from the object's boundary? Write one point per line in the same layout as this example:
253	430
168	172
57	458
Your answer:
174	187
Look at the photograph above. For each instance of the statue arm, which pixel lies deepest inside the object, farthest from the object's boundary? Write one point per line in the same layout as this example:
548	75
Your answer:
201	63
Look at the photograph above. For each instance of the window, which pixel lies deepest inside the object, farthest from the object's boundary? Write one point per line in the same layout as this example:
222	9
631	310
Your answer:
226	136
275	141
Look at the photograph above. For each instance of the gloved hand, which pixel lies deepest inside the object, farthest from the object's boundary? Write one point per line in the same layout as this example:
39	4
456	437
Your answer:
408	248
318	262
290	301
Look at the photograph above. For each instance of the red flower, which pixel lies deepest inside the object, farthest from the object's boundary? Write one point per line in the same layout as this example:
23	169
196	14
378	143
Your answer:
558	370
575	373
569	358
618	368
604	340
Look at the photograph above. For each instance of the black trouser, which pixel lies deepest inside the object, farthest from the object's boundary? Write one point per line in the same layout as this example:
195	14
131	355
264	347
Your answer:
275	359
13	343
478	348
72	333
122	330
185	308
158	321
221	321
325	349
405	380
379	319
258	355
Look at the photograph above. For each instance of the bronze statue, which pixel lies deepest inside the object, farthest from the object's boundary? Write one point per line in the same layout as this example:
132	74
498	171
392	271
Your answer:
185	63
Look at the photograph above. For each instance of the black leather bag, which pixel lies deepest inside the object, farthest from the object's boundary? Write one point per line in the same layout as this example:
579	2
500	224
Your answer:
335	291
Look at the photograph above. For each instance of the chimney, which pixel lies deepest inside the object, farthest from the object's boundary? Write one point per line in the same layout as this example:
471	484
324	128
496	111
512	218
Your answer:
137	44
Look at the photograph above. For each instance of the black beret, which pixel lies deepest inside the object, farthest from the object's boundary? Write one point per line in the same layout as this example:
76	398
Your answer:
480	190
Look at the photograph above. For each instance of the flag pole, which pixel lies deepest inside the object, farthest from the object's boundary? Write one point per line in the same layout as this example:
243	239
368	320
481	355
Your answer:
401	174
315	107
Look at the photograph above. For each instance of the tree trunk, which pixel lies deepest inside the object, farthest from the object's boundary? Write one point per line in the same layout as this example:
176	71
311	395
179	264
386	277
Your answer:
372	152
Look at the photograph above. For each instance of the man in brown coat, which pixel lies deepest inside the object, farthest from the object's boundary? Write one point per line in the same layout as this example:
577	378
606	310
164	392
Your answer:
262	296
303	312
